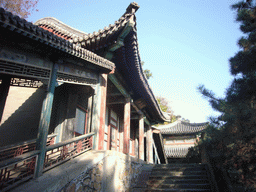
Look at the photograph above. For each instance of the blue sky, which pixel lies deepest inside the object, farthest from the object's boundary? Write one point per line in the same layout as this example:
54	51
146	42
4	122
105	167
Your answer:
183	43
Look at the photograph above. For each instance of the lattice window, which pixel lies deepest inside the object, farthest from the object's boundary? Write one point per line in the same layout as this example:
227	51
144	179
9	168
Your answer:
14	68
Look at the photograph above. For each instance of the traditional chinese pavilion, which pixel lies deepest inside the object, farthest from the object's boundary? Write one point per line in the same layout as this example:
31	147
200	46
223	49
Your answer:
179	136
64	92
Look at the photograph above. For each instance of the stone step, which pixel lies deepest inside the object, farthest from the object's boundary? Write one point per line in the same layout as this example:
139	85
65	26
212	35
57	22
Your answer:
176	190
179	165
179	173
179	186
179	178
179	181
166	169
164	177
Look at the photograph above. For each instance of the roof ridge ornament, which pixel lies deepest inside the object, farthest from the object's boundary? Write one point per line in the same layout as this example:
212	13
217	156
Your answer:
132	8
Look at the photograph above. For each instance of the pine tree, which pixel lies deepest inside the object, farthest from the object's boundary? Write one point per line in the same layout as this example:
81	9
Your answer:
232	135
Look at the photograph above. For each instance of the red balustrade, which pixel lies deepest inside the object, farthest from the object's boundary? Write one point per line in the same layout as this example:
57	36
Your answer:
18	149
21	163
61	152
16	170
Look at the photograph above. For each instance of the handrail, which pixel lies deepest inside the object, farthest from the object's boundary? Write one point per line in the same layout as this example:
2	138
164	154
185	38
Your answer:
22	143
36	152
20	168
51	147
10	151
61	152
17	169
17	159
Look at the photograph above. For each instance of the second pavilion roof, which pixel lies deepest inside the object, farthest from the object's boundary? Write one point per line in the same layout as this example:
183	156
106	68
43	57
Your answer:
180	127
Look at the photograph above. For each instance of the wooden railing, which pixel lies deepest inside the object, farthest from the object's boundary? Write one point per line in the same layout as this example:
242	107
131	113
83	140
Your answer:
20	168
18	149
61	152
17	169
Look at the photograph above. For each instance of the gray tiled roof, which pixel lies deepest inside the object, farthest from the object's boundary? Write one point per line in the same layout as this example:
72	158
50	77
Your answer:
60	28
176	152
96	40
127	56
180	127
16	24
105	37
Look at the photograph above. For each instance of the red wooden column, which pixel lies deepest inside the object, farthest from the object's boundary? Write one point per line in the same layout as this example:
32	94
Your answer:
149	144
127	119
141	138
103	87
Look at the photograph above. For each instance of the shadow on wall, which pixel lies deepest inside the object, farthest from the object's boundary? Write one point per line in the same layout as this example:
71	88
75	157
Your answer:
21	120
64	117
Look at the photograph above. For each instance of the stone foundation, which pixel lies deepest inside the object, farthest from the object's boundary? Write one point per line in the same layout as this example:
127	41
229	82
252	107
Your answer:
115	172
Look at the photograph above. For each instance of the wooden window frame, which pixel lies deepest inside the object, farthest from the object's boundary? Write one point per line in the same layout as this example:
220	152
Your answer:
85	122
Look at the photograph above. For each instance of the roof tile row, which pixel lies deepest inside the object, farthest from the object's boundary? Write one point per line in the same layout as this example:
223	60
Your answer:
178	152
18	25
180	127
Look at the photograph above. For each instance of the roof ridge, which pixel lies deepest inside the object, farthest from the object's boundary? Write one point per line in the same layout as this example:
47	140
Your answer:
107	31
132	8
180	127
181	122
22	26
61	27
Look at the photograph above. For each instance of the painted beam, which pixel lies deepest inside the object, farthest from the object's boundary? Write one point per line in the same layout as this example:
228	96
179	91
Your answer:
135	116
137	109
120	40
114	94
147	121
122	90
141	113
115	101
45	121
141	138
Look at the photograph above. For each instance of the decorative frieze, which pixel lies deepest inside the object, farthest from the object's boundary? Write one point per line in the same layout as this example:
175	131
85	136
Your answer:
64	77
26	83
21	69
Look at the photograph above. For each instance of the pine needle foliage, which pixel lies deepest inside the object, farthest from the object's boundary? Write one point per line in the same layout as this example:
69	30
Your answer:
231	137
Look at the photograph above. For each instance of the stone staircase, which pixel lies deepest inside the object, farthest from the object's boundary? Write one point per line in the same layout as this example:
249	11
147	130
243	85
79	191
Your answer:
179	178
